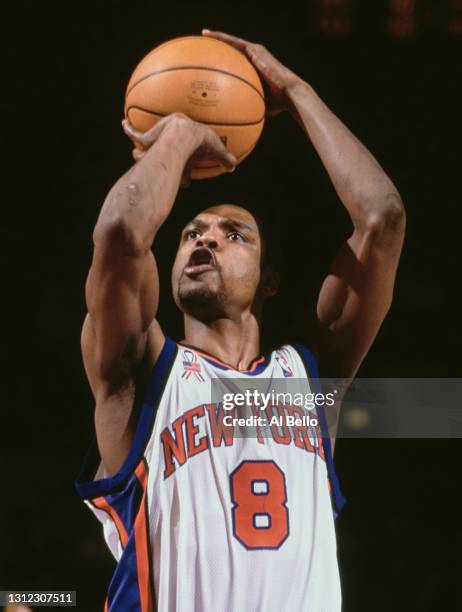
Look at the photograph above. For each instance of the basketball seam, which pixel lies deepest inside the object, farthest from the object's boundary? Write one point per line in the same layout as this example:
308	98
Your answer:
147	76
145	110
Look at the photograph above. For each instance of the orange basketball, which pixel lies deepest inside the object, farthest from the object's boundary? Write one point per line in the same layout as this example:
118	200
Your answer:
206	79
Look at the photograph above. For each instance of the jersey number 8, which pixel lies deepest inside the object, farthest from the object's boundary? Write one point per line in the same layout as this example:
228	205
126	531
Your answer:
260	515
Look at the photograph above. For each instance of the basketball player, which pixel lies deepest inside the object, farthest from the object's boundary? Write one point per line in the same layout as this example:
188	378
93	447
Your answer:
198	518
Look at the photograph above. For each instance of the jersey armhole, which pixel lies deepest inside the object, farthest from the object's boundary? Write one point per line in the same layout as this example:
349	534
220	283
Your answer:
87	482
312	372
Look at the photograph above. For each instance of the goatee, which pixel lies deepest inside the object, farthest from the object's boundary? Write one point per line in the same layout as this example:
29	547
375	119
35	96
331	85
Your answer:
202	303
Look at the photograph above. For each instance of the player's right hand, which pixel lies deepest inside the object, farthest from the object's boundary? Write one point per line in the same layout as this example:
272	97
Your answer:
207	143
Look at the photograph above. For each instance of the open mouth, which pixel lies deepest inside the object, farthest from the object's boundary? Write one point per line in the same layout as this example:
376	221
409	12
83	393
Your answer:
202	259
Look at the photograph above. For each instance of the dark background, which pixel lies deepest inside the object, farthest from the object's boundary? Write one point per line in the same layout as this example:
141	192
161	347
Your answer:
65	67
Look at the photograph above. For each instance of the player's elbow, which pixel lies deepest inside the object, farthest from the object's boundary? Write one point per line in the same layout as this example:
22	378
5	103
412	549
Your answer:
388	217
117	233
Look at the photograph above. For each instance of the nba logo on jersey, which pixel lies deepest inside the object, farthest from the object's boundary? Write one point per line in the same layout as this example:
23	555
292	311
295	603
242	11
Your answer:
283	361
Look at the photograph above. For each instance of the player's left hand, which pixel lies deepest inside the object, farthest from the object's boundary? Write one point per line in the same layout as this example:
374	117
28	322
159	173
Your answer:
277	79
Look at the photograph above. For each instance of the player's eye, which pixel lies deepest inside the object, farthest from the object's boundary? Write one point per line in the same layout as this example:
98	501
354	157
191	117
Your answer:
192	234
236	236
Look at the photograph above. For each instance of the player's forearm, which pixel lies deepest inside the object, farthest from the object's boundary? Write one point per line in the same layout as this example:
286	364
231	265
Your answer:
360	182
141	200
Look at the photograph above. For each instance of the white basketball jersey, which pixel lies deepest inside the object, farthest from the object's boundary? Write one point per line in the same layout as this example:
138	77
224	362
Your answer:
203	519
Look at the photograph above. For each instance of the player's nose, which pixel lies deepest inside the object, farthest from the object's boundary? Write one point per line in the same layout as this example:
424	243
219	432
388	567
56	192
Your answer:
210	240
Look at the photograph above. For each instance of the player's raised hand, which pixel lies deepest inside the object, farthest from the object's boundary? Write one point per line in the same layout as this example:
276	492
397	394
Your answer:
208	144
277	78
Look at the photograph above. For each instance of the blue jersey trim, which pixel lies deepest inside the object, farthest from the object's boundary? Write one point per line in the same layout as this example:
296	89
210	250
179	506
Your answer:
127	502
311	367
88	488
123	592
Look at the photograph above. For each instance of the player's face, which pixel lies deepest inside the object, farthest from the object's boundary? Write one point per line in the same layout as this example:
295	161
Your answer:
217	266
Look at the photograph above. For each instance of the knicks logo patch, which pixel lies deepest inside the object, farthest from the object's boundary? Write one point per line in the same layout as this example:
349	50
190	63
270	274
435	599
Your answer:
191	366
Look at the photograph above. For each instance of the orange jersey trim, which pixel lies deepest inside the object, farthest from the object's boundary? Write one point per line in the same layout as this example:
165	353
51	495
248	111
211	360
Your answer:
141	532
103	504
222	363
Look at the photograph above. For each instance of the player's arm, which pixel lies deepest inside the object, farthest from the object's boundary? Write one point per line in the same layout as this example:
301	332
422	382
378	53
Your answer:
122	287
357	293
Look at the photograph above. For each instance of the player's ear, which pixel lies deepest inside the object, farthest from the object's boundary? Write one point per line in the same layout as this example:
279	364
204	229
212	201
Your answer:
270	281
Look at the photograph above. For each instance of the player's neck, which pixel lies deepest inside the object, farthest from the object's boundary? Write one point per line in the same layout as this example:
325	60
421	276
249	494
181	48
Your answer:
235	342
